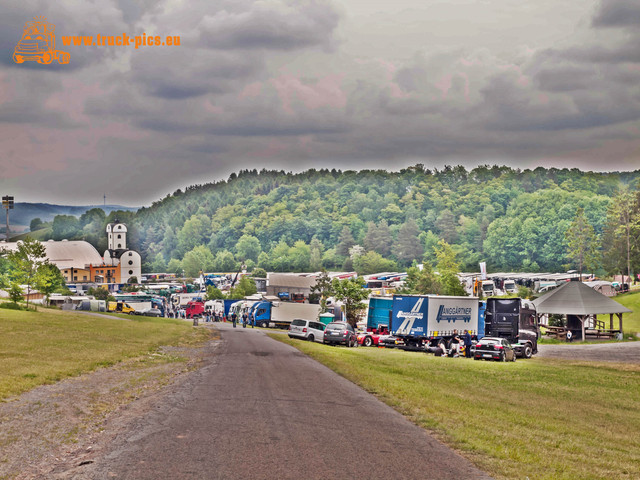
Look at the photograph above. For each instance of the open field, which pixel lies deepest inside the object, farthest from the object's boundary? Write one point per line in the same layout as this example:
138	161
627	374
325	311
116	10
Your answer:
43	347
539	418
630	321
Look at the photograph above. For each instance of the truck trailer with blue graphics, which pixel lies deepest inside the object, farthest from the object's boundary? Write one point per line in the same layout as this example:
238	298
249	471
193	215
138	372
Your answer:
423	320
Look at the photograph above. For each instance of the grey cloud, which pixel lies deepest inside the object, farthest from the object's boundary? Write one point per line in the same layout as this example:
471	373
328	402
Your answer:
272	25
617	13
565	78
178	75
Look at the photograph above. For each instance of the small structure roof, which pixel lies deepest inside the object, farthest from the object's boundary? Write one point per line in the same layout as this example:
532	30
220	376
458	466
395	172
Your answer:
290	280
576	298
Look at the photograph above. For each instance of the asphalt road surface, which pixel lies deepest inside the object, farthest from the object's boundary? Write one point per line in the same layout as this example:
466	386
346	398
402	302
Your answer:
259	409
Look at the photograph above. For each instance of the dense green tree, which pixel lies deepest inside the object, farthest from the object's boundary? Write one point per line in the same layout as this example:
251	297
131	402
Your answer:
245	287
248	247
35	224
373	262
225	262
48	279
159	264
195	232
175	266
421	281
345	242
408	246
623	223
448	268
199	259
582	243
214	293
64	227
28	257
351	293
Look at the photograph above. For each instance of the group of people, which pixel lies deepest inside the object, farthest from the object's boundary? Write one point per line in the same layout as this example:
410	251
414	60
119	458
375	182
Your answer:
245	320
457	345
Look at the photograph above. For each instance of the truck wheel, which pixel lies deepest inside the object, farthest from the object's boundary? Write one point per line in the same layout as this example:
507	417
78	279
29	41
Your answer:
264	324
527	351
46	58
311	338
367	342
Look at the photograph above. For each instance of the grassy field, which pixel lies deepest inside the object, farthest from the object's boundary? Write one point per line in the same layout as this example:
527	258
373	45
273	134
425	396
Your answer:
535	419
630	321
43	347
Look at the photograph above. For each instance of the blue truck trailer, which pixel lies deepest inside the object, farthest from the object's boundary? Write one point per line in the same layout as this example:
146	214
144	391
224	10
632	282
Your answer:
424	320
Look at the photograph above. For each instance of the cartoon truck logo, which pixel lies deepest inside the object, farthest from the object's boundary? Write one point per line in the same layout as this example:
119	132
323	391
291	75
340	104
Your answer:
38	43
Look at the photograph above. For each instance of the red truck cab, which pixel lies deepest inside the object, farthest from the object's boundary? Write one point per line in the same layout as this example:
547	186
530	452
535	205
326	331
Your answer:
372	336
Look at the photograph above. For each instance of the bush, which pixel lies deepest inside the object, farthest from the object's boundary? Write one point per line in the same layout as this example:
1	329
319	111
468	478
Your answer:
11	306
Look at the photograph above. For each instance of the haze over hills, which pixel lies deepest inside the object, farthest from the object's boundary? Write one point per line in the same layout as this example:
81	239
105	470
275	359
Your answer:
24	212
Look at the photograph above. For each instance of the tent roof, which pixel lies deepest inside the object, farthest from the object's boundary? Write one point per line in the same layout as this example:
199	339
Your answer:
576	298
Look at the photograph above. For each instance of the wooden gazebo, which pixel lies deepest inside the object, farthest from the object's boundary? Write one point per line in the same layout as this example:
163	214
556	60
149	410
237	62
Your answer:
576	298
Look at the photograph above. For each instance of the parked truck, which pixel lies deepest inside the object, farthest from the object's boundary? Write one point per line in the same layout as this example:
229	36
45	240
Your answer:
194	309
423	320
378	321
514	319
280	314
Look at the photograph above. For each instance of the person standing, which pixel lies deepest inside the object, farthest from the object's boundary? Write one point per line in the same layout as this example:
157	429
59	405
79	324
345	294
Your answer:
234	319
455	344
467	344
245	319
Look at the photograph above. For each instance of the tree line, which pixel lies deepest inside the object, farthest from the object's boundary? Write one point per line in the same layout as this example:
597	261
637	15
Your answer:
374	220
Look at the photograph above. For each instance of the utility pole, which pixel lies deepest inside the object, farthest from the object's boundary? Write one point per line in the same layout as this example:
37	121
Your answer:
105	199
7	202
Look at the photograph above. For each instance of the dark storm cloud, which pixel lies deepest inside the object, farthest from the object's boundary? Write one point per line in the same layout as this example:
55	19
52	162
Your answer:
272	25
617	13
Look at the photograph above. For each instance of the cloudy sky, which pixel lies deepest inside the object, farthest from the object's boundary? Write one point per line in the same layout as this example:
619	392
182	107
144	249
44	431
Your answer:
304	84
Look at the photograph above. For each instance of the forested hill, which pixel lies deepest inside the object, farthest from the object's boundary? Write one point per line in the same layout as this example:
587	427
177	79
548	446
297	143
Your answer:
512	219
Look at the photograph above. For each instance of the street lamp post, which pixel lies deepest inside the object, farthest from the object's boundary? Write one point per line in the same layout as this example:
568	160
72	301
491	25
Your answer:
7	202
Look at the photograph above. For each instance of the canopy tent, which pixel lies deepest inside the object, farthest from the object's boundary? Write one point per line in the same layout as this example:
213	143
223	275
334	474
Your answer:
576	298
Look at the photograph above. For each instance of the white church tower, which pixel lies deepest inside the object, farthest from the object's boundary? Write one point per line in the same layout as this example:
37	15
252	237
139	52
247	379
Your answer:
116	236
117	252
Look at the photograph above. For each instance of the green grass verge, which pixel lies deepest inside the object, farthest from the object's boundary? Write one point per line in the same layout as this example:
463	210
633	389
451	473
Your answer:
43	347
630	321
536	419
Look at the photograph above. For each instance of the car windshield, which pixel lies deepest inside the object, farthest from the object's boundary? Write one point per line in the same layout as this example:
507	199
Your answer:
336	326
488	342
299	323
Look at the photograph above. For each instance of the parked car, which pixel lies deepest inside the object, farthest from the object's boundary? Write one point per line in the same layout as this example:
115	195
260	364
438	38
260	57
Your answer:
494	348
152	312
389	341
307	330
340	332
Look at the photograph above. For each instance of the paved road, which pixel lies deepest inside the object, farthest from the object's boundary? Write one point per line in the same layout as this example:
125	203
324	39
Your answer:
261	410
626	352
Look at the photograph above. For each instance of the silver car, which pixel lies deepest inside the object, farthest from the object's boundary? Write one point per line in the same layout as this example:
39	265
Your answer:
307	330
